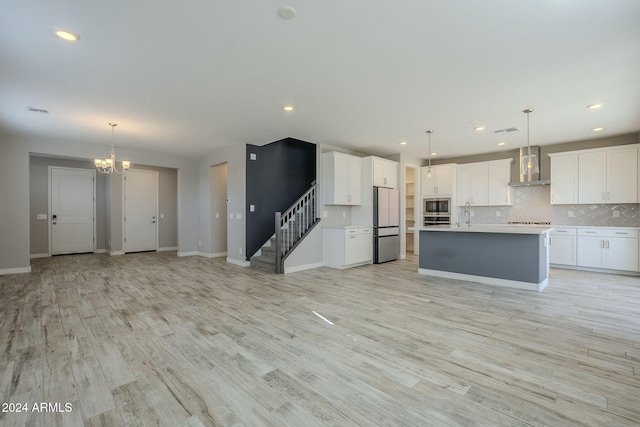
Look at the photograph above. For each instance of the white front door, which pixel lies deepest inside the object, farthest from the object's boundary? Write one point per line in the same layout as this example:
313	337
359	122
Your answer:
72	193
141	211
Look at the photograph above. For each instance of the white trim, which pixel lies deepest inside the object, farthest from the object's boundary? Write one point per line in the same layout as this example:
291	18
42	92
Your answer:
45	255
529	286
296	268
238	262
595	270
192	253
114	253
169	248
17	270
212	255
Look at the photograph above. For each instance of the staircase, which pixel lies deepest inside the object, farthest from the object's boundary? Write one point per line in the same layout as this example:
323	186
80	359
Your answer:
291	227
265	258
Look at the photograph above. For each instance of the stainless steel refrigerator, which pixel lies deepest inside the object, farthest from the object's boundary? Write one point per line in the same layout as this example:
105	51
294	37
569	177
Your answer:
386	224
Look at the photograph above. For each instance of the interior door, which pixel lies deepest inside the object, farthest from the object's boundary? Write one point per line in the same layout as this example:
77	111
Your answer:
72	193
141	211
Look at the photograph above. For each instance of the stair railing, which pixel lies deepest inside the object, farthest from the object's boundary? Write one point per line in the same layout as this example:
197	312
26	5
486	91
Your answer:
293	225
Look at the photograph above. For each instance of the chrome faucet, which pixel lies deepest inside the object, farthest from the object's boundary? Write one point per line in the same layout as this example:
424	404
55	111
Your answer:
467	213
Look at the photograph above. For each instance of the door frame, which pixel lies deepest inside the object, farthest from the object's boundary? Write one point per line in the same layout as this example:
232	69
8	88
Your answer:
124	208
417	203
49	230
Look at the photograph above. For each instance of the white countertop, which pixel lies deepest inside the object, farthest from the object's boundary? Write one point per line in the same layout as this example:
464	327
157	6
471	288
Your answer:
343	227
505	229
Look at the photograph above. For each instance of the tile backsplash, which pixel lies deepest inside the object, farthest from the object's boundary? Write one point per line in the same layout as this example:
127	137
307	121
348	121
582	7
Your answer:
532	204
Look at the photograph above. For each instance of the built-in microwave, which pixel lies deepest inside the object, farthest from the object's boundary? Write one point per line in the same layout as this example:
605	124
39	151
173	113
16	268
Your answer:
437	207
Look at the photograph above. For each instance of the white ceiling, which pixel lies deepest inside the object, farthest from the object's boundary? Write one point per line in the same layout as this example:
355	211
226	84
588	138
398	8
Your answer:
187	77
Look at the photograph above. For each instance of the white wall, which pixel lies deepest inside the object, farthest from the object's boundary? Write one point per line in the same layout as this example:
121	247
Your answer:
235	157
14	192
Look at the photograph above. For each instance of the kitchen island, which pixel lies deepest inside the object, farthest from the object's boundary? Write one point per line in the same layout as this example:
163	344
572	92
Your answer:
512	256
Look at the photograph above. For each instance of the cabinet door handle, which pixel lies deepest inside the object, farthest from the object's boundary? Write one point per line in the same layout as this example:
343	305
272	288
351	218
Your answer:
608	196
601	244
385	181
607	244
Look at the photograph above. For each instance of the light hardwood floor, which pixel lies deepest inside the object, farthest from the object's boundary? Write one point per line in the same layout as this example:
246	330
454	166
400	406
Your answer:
153	339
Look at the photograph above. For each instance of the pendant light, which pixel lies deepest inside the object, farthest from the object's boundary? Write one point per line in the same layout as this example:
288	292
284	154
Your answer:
429	132
529	162
109	165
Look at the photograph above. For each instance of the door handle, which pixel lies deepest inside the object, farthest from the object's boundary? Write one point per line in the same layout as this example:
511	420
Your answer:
54	218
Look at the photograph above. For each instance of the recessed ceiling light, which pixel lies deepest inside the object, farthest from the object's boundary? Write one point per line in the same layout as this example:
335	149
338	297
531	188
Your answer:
67	35
597	129
594	106
501	143
288	108
403	142
479	127
434	153
287	12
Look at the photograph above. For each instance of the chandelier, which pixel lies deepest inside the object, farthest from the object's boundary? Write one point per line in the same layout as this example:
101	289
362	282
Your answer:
109	165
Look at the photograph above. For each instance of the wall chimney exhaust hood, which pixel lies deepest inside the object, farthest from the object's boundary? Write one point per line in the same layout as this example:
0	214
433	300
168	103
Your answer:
530	177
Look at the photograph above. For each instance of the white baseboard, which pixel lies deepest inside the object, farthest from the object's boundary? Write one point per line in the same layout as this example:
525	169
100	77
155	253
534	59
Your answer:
32	256
212	255
238	262
303	267
192	253
486	280
167	249
114	253
17	270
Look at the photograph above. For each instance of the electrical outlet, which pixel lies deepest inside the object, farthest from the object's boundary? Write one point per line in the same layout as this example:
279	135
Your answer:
325	214
616	214
240	251
498	213
344	214
238	216
231	215
217	215
571	214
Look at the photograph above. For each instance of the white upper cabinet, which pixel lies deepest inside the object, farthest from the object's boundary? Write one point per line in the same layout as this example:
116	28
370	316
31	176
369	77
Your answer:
472	184
385	173
608	175
441	181
484	183
342	179
499	190
564	178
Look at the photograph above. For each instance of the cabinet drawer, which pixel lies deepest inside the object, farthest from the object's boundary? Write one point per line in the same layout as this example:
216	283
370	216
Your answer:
607	232
350	231
363	230
564	231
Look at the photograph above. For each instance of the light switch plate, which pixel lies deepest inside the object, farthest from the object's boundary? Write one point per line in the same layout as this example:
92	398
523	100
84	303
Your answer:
238	215
252	156
161	216
217	215
252	208
41	216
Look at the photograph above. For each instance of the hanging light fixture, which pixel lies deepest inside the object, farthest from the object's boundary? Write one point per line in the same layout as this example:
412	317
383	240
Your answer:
528	162
429	132
109	165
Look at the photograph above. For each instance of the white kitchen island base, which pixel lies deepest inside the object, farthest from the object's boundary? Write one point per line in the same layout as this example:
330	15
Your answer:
515	257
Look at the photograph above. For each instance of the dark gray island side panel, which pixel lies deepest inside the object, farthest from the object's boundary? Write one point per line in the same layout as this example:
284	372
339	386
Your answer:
517	257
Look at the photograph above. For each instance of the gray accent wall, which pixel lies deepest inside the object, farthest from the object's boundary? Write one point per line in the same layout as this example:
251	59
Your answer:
39	201
15	213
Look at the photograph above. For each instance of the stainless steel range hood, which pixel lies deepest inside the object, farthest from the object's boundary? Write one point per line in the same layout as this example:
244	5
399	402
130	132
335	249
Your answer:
530	178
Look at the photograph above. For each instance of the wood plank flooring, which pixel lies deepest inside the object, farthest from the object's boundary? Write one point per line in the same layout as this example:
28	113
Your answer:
152	339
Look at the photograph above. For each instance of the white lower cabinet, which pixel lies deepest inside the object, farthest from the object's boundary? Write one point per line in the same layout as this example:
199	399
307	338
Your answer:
563	247
610	248
347	246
